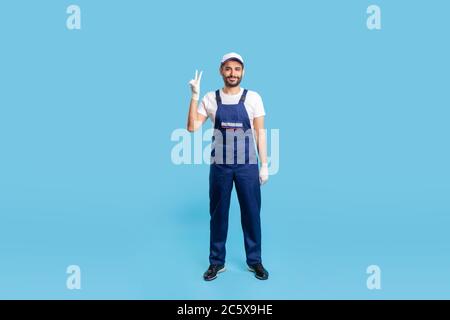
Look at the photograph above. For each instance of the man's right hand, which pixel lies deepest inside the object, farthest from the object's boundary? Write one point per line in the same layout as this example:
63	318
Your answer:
195	85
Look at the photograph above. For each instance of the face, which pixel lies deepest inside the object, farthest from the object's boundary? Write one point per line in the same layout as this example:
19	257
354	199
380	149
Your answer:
232	73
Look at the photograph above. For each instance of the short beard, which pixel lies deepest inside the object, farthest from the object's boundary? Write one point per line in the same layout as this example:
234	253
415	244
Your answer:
232	85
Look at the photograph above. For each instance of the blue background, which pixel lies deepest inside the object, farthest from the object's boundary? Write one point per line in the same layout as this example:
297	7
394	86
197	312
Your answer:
86	176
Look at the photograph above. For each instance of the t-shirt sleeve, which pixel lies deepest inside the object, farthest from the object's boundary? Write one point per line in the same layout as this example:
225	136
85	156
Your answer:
202	107
258	107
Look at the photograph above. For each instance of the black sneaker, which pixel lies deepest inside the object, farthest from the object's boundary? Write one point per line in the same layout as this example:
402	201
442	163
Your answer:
212	271
260	272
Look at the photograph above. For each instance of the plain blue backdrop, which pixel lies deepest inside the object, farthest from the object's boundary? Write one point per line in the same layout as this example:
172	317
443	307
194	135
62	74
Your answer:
86	176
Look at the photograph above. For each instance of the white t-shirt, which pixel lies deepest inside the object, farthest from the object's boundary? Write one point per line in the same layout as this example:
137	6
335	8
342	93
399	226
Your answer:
253	104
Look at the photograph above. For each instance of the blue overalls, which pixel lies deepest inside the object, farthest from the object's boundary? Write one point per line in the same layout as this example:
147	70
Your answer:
233	159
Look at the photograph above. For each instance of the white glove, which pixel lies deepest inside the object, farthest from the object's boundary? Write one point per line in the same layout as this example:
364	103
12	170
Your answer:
263	173
195	85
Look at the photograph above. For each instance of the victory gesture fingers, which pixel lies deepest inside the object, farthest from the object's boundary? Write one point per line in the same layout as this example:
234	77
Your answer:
195	85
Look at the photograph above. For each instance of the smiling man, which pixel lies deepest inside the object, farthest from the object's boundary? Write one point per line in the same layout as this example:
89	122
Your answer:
234	111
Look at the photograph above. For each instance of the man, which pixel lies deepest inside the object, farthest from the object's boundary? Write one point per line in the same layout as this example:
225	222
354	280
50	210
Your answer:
238	118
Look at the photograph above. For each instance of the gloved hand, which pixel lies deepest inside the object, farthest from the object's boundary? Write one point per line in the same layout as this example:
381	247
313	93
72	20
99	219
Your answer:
195	85
263	173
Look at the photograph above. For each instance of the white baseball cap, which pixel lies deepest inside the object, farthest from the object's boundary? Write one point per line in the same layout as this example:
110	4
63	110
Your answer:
232	56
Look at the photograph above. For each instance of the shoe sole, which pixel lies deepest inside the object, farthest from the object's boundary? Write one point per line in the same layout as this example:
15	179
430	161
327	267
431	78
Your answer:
256	276
220	271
